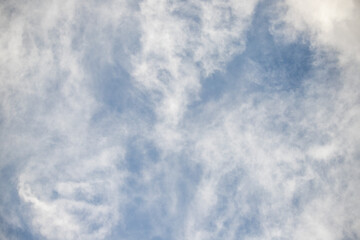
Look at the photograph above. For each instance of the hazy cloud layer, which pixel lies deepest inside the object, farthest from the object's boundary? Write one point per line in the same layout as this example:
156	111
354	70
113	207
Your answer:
179	119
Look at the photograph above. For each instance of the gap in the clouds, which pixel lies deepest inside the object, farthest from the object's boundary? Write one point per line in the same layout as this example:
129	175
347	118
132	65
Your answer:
156	183
141	223
12	206
139	154
14	232
112	87
267	65
234	191
106	50
114	90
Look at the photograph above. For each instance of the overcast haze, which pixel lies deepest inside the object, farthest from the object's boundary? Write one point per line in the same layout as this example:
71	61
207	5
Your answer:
180	119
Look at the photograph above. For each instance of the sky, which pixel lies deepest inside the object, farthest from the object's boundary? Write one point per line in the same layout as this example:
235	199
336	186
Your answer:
180	119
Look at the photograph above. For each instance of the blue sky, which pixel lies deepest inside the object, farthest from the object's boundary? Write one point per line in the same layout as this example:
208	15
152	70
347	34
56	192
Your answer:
172	120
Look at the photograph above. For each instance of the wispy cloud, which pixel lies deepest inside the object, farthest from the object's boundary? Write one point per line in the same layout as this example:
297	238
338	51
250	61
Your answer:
179	120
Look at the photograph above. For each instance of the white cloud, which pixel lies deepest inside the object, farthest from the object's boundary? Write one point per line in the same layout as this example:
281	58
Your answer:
298	197
331	24
181	43
70	197
69	172
271	164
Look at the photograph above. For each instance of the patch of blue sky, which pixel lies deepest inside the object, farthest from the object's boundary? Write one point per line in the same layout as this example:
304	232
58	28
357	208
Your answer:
142	218
114	89
140	154
106	61
250	225
275	65
112	86
12	232
10	199
231	201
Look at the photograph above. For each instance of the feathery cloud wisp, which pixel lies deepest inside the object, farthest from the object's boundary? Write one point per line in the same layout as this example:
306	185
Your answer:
179	120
